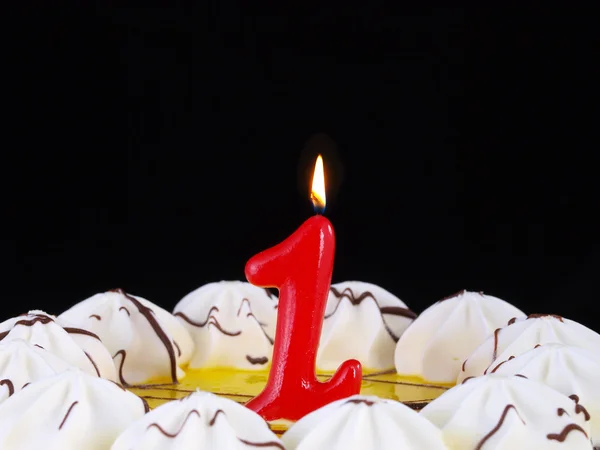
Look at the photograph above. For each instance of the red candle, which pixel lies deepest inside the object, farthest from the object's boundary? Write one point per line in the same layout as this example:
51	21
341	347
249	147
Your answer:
300	267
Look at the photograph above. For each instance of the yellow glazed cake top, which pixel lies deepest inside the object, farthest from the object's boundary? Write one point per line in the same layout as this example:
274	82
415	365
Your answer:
241	386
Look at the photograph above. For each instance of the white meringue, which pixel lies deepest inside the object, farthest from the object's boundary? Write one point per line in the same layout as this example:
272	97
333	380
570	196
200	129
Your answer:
438	341
133	328
68	411
507	413
199	421
570	370
232	324
363	422
22	363
76	346
524	334
362	321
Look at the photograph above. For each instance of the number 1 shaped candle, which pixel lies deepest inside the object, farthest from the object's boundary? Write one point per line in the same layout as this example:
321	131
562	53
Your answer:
301	267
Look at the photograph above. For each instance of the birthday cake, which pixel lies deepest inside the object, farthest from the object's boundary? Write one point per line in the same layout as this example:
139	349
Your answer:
470	372
316	367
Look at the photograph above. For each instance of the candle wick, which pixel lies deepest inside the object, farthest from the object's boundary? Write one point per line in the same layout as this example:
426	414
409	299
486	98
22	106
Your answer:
318	205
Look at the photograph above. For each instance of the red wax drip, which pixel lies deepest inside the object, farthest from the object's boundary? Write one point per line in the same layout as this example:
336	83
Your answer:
301	268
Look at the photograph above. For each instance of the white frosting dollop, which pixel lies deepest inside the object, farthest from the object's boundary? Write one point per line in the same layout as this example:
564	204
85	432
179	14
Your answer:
524	334
438	341
76	346
146	342
232	324
68	411
22	363
570	370
362	321
199	421
363	422
507	413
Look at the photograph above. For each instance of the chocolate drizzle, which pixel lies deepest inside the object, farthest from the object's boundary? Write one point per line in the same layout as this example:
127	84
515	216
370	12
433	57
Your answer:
496	333
494	430
93	363
245	301
258	360
44	320
118	385
214	417
565	432
211	319
262	444
9	385
148	314
123	308
72	330
176	433
211	423
360	401
511	321
354	300
580	408
560	437
379	372
251	314
37	318
123	354
494	352
95	316
262	327
498	366
67	414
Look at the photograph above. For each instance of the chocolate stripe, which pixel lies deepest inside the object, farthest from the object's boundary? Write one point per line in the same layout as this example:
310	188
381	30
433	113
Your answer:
9	385
67	415
498	425
354	300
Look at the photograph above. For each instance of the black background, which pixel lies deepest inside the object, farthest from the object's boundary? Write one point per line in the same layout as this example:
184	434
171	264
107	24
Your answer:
158	149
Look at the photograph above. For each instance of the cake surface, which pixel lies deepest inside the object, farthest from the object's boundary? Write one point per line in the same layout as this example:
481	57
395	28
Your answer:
532	378
241	386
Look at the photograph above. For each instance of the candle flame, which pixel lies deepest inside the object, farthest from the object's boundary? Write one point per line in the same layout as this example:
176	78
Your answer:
317	192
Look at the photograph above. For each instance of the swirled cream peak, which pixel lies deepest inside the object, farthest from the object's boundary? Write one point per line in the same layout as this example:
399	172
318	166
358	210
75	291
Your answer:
76	346
363	422
200	420
438	341
232	324
68	411
22	363
147	342
506	413
570	370
524	334
363	322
